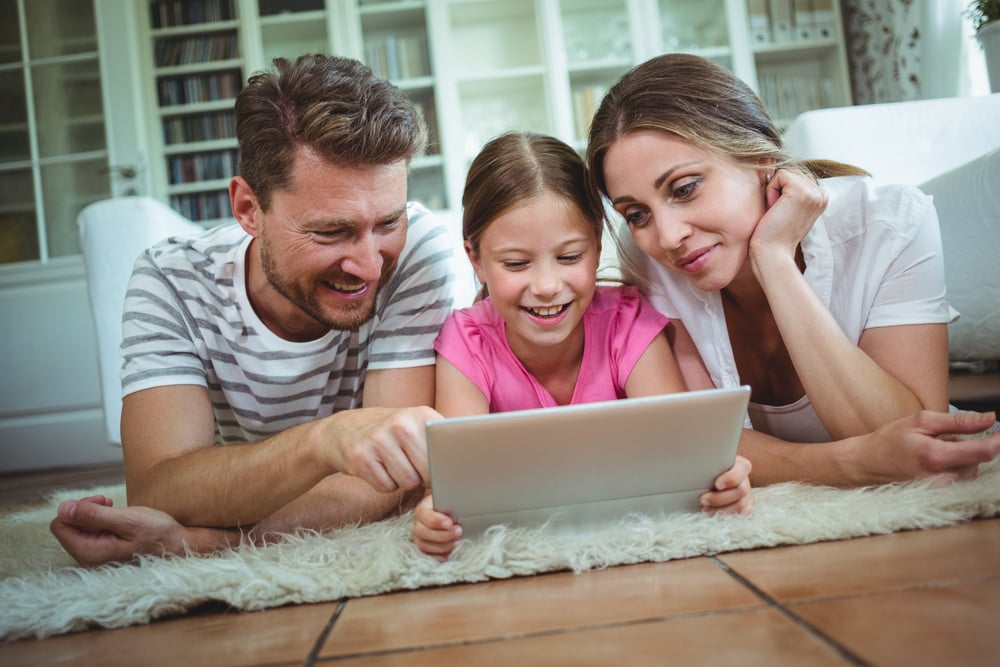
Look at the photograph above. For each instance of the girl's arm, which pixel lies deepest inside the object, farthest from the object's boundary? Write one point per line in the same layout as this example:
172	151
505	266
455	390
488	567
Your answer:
455	394
855	389
656	371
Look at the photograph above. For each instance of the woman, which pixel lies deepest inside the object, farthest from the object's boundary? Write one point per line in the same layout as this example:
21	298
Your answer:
808	282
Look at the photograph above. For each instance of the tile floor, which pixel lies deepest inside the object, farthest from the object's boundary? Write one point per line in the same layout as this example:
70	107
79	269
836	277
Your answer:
913	598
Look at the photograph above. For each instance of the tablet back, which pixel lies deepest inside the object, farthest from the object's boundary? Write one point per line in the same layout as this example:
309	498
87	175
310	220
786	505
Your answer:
582	466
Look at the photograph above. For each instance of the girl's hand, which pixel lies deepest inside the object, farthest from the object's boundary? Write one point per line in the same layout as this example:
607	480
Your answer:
794	201
732	493
434	533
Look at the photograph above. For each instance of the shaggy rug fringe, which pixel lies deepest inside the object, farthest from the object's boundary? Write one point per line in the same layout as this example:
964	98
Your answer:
44	594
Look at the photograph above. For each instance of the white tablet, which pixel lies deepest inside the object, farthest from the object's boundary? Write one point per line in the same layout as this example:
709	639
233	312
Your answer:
579	467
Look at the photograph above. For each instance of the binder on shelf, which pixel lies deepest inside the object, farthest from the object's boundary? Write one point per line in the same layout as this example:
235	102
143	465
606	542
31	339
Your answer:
804	19
825	20
759	17
781	21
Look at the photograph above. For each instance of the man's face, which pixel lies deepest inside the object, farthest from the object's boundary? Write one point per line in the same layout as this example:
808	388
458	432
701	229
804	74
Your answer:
326	245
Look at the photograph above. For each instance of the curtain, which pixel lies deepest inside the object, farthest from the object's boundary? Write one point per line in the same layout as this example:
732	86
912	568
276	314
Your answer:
910	49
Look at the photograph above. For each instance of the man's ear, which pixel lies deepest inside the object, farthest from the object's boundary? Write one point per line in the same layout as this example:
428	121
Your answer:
477	265
244	203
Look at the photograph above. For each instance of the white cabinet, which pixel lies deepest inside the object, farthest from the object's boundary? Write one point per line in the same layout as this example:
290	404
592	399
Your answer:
475	68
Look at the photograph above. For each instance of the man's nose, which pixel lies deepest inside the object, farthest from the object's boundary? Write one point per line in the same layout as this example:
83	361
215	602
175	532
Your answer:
364	260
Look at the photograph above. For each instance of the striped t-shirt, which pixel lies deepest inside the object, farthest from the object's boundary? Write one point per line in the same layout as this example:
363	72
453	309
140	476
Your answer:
188	320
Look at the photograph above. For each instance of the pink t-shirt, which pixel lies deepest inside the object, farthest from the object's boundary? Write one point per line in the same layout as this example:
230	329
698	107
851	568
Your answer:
618	327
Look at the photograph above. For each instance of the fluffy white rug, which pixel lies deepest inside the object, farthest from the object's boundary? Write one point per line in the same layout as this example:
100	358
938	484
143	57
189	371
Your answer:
43	594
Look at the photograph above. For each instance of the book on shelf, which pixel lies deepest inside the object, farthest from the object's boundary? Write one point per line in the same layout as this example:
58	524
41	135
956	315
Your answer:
759	17
199	127
398	57
197	49
172	13
196	167
585	102
782	21
203	205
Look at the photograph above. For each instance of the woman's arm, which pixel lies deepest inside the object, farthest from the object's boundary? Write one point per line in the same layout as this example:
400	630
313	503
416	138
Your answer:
854	388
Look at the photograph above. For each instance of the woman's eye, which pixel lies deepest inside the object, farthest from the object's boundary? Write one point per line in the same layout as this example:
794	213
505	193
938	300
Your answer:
635	218
686	190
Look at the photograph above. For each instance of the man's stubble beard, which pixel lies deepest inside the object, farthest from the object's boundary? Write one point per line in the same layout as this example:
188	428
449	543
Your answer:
350	317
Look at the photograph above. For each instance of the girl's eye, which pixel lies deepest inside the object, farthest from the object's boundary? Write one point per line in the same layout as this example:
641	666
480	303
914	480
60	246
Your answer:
513	265
569	259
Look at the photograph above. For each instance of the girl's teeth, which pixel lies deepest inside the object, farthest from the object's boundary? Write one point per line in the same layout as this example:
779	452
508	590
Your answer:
546	312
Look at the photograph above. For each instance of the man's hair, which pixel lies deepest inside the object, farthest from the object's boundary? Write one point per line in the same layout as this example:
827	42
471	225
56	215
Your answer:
333	106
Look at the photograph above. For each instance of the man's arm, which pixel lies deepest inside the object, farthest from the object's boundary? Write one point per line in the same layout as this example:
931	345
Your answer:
171	465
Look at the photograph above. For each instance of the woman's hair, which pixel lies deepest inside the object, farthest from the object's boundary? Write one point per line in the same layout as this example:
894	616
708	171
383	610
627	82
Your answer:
701	102
333	106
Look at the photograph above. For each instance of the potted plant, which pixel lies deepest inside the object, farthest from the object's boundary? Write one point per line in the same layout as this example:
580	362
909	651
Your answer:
985	17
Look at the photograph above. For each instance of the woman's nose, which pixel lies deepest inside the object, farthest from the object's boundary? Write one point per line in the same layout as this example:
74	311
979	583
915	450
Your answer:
671	231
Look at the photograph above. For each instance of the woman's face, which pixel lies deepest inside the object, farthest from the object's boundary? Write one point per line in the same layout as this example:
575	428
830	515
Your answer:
689	210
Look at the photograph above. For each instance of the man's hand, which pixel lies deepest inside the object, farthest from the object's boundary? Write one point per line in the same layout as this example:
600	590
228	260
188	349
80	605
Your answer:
94	532
386	447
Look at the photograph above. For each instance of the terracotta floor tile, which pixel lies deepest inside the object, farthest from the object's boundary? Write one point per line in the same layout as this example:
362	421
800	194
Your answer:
550	602
761	637
214	639
955	624
880	563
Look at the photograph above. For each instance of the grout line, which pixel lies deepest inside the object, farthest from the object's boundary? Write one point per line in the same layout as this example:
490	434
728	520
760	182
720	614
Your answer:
324	634
845	652
526	635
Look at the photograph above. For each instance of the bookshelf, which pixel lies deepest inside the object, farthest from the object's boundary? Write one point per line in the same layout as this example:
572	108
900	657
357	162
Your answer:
196	65
474	68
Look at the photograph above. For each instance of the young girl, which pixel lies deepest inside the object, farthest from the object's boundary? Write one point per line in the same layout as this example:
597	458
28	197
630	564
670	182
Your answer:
546	334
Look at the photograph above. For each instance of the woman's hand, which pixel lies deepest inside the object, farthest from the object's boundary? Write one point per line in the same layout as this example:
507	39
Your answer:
794	202
732	493
434	533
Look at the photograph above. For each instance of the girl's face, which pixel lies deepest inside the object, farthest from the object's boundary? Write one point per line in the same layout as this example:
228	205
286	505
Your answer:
692	212
539	261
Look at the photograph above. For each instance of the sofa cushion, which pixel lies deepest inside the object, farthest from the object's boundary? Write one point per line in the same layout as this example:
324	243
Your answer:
967	199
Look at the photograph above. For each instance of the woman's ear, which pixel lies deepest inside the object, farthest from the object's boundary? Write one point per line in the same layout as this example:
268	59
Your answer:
244	203
477	265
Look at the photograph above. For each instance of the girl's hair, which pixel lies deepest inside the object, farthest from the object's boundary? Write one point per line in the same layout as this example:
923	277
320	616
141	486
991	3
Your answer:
701	102
517	166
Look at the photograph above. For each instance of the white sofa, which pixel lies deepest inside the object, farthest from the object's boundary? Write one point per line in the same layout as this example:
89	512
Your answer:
950	148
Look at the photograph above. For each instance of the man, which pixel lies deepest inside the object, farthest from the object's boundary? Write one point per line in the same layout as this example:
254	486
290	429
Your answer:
277	372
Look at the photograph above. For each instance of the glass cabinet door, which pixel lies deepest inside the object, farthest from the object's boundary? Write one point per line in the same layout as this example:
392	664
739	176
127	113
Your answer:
53	156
